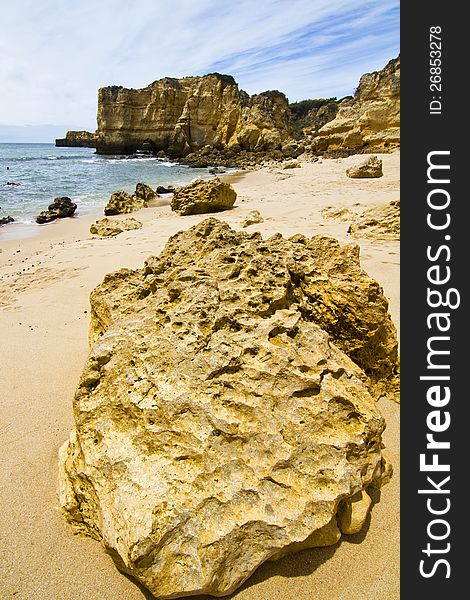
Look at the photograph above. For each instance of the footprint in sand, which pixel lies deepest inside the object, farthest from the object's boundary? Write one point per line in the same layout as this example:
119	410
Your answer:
40	278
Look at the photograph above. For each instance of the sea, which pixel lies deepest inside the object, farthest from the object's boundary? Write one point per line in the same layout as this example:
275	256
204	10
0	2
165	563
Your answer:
32	175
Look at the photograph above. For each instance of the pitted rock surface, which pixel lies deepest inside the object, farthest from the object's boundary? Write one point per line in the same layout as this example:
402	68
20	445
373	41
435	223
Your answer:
378	223
111	227
217	423
201	197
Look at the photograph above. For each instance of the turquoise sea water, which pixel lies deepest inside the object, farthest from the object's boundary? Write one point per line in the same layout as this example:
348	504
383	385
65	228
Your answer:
41	172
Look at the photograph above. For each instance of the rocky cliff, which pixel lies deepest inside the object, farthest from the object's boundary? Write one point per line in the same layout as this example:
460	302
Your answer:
80	139
371	118
179	116
208	120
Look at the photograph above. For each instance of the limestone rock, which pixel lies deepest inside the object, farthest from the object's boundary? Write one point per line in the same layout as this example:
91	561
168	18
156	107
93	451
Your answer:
372	118
145	193
310	115
201	197
328	535
123	203
77	139
217	423
337	213
368	168
6	220
378	223
252	218
111	227
352	513
59	209
179	116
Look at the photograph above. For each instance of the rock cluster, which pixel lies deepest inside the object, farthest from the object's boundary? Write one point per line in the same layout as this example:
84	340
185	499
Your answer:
378	223
369	168
223	416
60	208
111	227
122	203
200	197
207	121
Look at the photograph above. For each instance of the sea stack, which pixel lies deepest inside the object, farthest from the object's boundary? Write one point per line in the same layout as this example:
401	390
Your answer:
77	139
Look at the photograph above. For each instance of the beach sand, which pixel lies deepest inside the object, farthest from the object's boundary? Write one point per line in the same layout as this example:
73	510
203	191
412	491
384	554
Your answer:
45	282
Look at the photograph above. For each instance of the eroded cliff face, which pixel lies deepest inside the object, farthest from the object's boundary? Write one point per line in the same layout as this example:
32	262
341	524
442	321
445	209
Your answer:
80	139
179	116
371	118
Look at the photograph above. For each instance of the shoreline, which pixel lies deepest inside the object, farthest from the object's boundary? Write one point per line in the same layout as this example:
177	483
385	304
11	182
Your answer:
45	282
18	230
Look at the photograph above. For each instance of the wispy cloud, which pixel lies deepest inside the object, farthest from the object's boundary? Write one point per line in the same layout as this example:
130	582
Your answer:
56	54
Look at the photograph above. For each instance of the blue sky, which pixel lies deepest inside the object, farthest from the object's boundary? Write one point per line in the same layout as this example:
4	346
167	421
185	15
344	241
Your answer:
57	53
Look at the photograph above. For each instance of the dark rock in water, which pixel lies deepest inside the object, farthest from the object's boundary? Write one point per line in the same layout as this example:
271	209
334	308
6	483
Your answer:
6	220
165	190
216	170
61	207
13	184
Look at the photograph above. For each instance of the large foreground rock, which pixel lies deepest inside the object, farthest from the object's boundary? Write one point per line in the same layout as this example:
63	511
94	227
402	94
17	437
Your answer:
60	208
217	423
200	197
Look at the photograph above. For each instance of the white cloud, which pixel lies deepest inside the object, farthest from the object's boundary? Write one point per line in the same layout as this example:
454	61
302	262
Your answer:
56	53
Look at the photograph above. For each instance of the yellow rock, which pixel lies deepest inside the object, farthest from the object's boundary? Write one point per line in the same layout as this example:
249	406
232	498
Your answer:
182	115
371	119
217	423
352	513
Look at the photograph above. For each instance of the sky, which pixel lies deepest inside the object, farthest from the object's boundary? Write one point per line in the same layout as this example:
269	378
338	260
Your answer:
56	54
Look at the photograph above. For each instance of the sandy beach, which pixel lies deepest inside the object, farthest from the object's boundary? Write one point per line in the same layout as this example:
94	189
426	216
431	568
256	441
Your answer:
45	282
